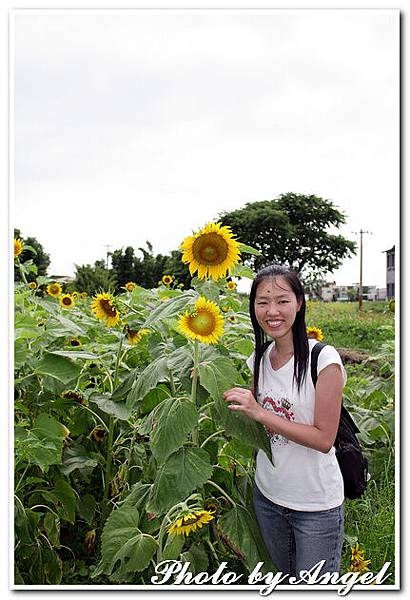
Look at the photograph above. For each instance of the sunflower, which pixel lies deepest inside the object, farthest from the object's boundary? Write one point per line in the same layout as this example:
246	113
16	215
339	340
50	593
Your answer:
64	430
73	395
232	319
167	280
83	295
32	285
231	285
104	309
190	522
205	323
130	286
392	305
212	252
134	336
89	540
67	301
212	506
54	289
314	333
18	247
74	342
98	434
357	563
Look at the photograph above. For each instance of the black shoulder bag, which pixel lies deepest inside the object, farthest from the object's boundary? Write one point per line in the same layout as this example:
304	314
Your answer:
352	462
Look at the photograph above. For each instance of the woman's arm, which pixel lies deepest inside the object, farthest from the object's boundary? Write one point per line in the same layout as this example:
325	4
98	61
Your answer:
328	400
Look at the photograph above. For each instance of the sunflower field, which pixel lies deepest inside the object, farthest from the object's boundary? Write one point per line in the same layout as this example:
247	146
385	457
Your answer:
125	452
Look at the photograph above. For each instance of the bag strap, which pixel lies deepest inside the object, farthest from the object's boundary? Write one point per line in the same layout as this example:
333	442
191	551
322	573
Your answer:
313	360
344	415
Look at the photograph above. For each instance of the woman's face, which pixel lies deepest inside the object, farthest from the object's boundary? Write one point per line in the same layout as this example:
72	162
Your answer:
276	307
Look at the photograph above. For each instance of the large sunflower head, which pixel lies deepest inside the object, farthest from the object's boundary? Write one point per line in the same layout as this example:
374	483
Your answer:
18	247
212	252
314	333
205	323
188	522
67	301
104	309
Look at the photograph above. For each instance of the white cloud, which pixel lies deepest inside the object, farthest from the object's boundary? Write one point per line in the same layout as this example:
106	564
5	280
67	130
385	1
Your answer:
144	125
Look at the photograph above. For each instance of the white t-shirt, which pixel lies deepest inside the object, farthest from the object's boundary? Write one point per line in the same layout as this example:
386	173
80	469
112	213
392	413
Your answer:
301	478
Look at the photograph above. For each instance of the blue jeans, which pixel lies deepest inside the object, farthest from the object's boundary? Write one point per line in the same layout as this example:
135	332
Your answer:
298	539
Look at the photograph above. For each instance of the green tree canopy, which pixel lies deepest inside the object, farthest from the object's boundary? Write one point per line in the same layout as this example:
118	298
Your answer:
93	279
39	257
148	269
292	230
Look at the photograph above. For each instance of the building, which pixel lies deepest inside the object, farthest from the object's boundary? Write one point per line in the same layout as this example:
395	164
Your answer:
390	272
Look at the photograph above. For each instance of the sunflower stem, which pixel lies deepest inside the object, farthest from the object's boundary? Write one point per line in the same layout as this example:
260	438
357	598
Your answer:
216	486
111	424
172	384
22	274
195	374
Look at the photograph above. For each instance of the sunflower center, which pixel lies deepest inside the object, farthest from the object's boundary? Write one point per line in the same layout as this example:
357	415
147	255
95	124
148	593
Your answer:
210	249
107	307
203	322
189	520
66	301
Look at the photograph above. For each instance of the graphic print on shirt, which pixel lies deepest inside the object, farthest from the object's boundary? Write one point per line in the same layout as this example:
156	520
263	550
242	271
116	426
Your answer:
280	406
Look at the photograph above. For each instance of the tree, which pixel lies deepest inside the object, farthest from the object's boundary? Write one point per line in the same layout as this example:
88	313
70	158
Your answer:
292	230
123	265
147	270
39	257
93	279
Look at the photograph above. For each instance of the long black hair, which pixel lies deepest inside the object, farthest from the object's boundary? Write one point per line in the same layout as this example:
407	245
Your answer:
300	339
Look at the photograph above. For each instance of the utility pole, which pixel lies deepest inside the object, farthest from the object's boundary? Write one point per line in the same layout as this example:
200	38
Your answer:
108	246
361	232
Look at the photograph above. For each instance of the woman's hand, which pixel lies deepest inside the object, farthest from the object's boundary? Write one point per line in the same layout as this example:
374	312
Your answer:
244	401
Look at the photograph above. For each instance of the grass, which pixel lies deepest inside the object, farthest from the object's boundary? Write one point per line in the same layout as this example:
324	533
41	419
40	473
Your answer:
370	521
343	326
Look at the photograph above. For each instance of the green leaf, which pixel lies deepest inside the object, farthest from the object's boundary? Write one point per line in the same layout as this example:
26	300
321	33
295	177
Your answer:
52	566
86	506
242	271
147	380
76	354
184	471
66	497
171	308
43	444
218	375
197	557
173	419
249	249
52	528
59	367
241	427
207	288
76	457
173	547
238	530
122	541
115	409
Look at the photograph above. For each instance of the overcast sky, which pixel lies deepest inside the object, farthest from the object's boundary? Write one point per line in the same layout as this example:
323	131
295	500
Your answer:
145	125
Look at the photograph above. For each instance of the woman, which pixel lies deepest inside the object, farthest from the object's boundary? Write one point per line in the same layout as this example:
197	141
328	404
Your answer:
298	495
